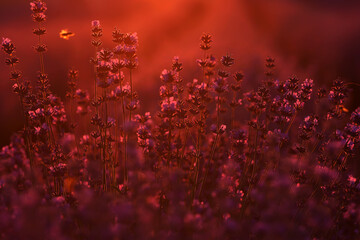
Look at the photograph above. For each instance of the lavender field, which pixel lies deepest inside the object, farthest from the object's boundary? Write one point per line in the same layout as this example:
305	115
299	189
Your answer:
116	141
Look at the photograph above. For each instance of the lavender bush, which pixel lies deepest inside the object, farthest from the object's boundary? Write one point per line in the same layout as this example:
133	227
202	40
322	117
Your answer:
215	162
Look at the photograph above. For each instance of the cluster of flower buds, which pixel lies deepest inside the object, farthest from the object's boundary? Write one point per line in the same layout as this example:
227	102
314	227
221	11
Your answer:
270	68
198	96
291	87
7	46
127	44
83	101
282	110
220	85
306	89
38	8
54	111
21	88
206	40
257	101
123	91
43	86
235	88
169	107
96	33
125	56
103	68
352	132
216	130
58	170
227	61
321	93
173	112
238	77
293	96
96	120
72	83
176	65
207	64
42	131
239	140
58	114
337	96
308	127
85	140
171	81
133	103
230	182
167	76
81	97
144	136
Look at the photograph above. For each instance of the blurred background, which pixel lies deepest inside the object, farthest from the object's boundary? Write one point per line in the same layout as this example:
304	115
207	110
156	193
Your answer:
317	39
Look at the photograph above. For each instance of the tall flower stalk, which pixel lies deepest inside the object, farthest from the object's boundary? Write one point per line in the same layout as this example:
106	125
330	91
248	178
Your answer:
21	88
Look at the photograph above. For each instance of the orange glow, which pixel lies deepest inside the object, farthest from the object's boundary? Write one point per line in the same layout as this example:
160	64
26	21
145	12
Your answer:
66	34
